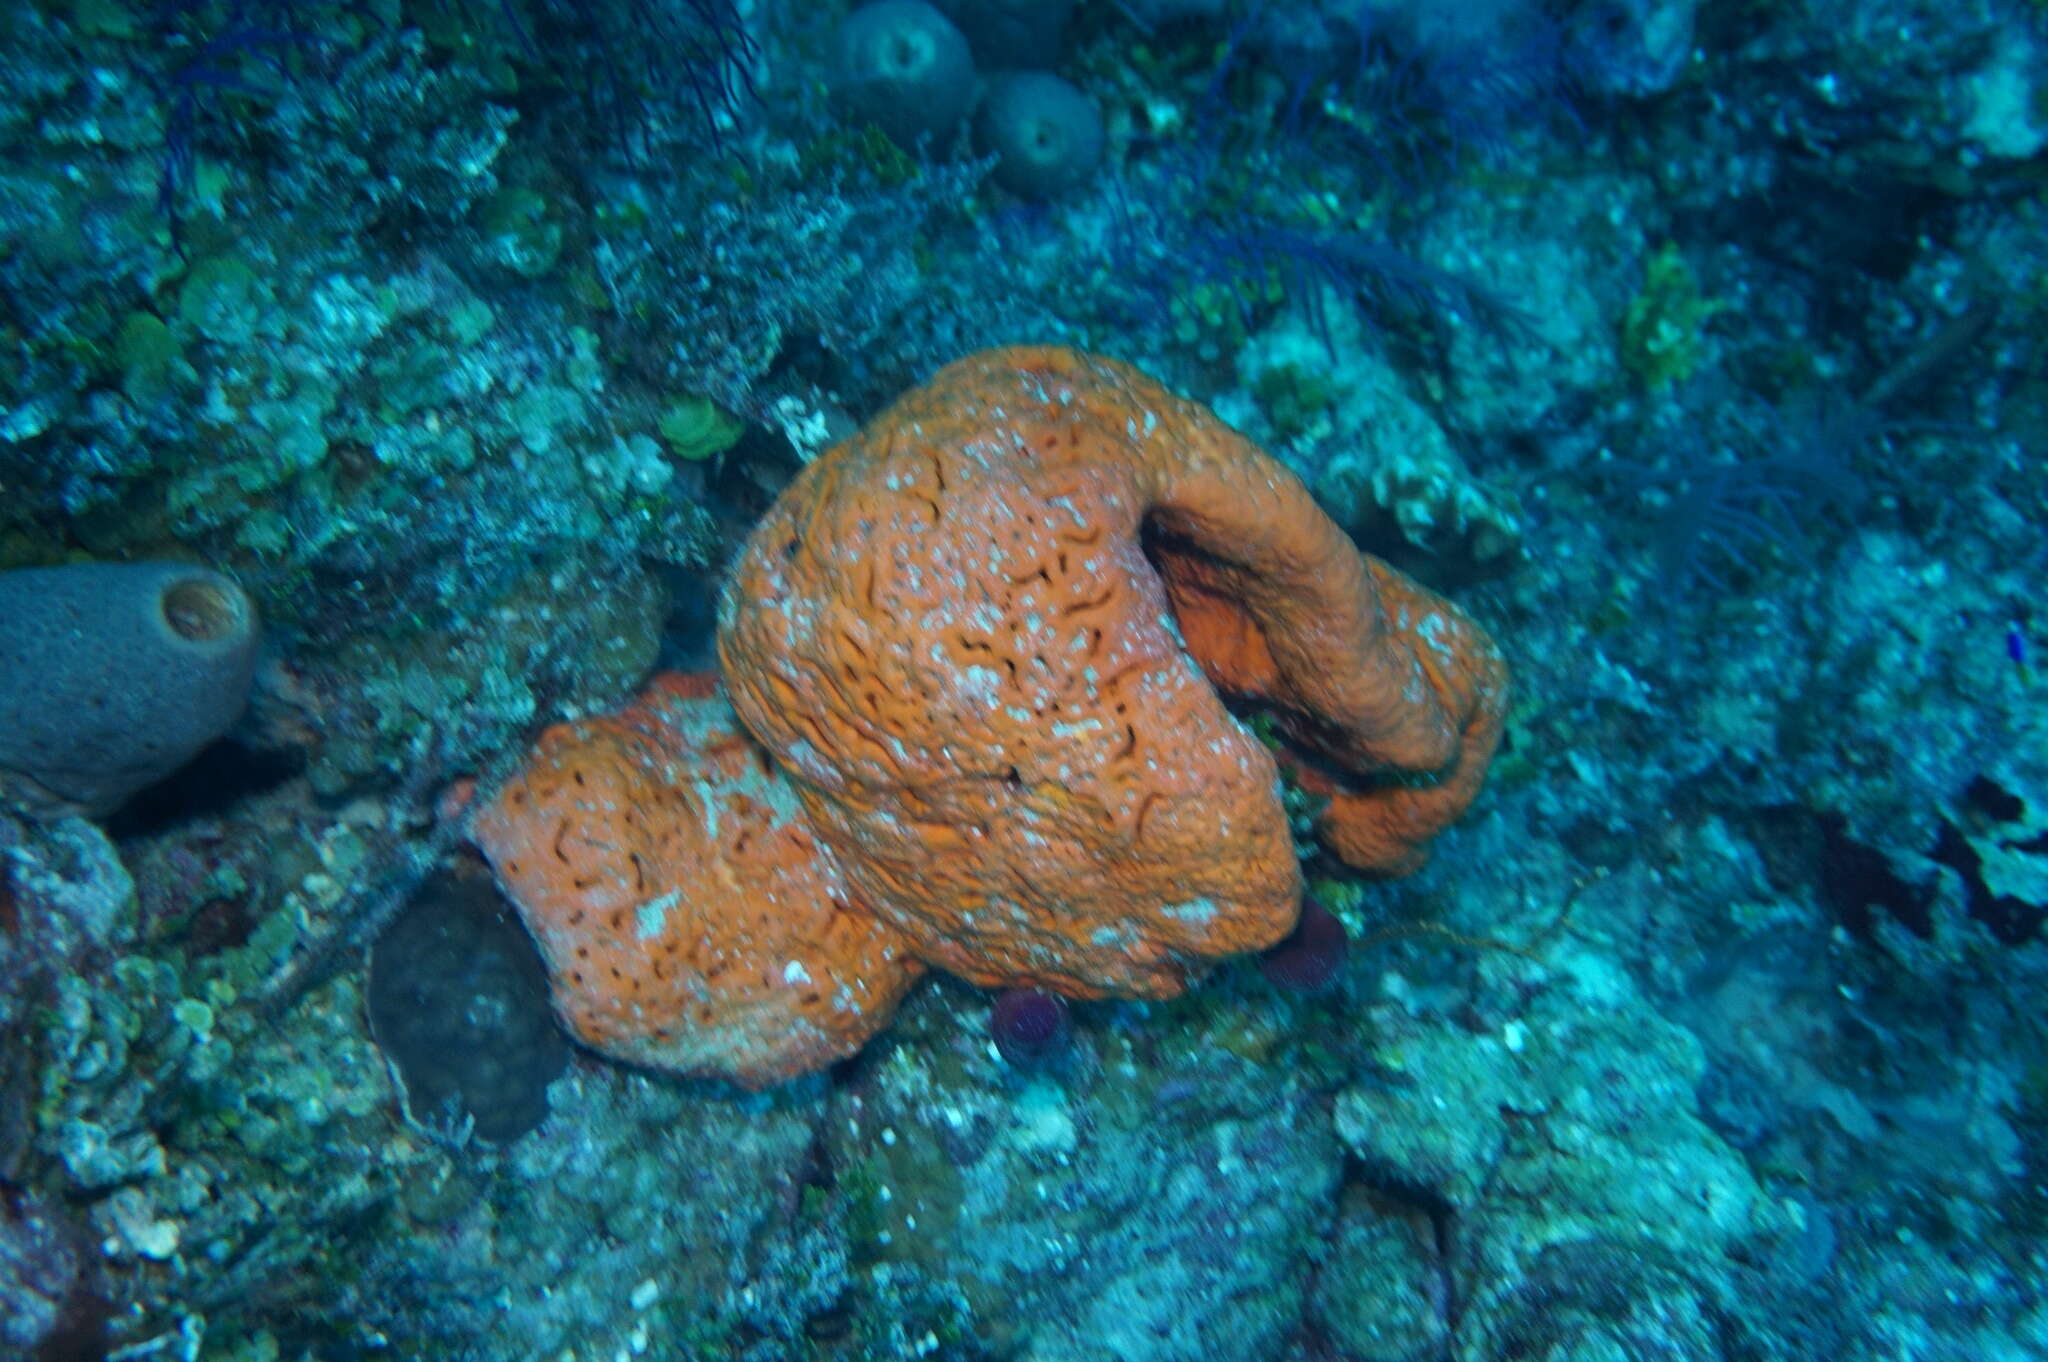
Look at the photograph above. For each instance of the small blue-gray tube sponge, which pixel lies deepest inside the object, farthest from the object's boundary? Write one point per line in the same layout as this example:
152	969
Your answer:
1045	134
113	675
905	68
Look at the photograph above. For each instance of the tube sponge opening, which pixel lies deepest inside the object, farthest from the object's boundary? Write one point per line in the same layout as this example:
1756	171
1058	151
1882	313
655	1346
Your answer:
904	68
113	675
204	609
1045	134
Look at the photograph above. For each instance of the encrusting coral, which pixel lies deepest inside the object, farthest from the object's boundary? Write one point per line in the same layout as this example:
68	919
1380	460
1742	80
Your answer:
981	652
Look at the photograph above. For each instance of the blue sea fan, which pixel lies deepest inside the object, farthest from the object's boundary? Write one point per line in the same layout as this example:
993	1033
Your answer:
1211	210
1389	283
1444	80
218	65
1723	507
630	60
238	51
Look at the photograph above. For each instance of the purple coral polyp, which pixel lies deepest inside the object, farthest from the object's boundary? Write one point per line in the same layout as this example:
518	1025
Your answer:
1311	955
1029	1025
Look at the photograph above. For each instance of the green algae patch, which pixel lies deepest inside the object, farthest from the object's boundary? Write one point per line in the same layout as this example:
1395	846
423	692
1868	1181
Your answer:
696	428
146	354
1662	333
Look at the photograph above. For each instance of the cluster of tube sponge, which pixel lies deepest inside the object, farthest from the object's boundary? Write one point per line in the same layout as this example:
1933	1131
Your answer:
910	69
112	676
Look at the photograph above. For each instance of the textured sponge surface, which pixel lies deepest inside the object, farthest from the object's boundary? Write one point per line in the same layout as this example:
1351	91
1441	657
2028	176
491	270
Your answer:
113	675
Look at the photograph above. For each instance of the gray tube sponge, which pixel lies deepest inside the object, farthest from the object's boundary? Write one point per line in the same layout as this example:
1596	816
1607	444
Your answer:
113	675
904	67
1046	135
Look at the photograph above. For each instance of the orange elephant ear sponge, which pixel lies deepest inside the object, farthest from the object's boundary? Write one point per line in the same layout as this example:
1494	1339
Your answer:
688	919
988	636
